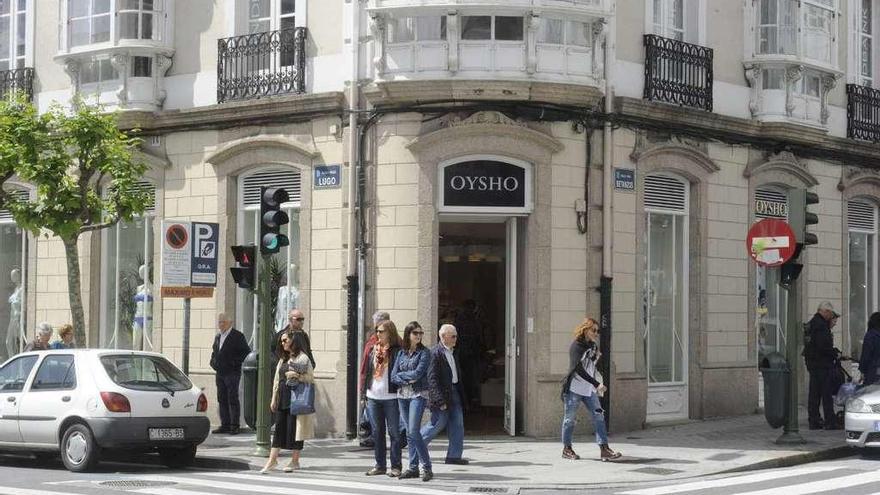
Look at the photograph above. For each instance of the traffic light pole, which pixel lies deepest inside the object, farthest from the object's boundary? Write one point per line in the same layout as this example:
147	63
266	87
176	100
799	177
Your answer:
790	432
263	364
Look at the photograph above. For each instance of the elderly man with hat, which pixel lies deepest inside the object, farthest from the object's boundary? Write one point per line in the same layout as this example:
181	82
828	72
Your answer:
820	355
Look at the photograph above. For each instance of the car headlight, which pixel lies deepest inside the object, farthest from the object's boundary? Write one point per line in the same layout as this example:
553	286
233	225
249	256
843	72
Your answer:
858	406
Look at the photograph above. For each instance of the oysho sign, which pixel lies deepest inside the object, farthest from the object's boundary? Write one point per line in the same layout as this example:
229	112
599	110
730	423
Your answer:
774	209
485	186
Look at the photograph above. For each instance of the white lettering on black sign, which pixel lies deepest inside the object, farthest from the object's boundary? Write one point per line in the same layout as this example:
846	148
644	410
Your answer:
484	183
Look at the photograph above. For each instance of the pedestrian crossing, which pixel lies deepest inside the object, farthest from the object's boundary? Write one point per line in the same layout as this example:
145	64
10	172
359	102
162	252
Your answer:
229	483
806	480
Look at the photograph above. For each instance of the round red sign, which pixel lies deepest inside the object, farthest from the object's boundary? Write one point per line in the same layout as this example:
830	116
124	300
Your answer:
176	236
771	242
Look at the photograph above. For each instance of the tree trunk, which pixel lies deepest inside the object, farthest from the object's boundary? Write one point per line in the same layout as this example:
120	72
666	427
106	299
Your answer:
74	292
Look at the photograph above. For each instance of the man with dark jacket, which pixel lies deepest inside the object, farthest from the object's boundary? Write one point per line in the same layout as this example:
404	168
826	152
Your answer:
820	355
869	359
295	319
229	350
446	396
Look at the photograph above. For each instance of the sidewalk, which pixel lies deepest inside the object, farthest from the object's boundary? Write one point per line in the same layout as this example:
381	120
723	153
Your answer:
697	448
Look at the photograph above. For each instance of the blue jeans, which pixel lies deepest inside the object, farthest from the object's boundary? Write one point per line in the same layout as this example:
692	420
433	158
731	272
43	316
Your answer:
570	418
451	418
411	411
384	414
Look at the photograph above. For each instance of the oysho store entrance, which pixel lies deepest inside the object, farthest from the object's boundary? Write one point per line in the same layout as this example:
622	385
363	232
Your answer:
483	208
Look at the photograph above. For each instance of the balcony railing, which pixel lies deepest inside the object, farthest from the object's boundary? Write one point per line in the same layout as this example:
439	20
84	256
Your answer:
678	72
862	113
17	80
261	64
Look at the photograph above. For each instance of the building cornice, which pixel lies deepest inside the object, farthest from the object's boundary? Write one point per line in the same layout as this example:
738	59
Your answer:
234	114
801	140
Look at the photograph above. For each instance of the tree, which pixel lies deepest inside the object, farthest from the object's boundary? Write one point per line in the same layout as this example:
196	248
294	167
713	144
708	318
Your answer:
83	173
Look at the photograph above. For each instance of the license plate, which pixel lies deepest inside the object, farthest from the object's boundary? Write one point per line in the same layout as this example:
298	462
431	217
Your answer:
166	433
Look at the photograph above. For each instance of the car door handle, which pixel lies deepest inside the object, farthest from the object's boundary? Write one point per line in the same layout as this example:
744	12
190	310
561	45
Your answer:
10	399
66	398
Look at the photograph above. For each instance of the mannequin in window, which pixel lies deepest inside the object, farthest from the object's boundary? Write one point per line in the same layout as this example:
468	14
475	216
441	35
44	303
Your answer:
288	298
14	333
142	326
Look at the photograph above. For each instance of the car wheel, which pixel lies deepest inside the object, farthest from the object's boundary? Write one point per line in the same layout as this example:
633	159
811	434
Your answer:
79	451
178	457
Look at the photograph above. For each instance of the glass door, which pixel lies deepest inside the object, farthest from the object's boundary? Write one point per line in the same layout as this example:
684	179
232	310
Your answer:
512	346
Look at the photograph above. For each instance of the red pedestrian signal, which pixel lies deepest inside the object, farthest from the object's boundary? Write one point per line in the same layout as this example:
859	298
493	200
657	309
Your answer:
245	273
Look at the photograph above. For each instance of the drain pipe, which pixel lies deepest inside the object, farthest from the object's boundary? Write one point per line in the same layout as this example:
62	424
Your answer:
605	286
354	299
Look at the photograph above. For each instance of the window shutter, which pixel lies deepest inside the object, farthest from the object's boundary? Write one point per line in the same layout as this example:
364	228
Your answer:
150	189
771	196
5	215
665	193
861	215
277	177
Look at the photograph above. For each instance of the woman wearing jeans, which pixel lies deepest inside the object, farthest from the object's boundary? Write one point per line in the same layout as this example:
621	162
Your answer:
582	386
381	395
410	374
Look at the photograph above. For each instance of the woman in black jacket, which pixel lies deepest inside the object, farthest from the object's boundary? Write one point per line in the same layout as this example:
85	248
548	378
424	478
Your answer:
581	385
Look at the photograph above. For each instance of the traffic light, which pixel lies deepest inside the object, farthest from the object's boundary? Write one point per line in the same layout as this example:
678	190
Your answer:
799	218
272	218
246	258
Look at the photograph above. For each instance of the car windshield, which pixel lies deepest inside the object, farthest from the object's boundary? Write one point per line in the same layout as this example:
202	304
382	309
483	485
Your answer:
140	372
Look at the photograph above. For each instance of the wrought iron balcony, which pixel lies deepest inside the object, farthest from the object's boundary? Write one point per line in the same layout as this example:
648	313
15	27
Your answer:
862	113
17	80
261	64
678	72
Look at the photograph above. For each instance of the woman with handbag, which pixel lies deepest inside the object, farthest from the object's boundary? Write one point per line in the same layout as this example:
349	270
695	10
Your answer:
582	386
293	375
381	395
410	374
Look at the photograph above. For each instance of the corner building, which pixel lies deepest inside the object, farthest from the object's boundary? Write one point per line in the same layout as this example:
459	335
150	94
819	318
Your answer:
508	166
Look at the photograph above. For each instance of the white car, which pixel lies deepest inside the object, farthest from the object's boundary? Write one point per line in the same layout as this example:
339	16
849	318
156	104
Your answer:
862	419
84	402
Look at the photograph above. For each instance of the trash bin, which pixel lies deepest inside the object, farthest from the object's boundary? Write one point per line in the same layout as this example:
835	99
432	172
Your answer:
249	389
775	371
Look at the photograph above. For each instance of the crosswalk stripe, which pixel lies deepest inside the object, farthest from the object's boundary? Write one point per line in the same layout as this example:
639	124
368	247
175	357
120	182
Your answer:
732	481
8	490
244	487
171	491
355	485
835	484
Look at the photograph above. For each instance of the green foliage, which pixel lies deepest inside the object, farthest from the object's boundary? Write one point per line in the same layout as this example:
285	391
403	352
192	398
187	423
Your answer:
79	163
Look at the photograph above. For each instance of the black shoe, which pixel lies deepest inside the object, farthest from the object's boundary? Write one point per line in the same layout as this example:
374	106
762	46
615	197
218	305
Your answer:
235	430
367	443
428	475
409	473
394	473
222	429
376	471
459	461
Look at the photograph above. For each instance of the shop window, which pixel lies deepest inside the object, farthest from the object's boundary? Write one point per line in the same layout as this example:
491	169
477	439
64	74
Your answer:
13	34
771	302
665	278
128	274
13	280
283	267
861	218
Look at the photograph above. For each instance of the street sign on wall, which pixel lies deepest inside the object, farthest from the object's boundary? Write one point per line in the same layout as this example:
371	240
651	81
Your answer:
771	242
189	258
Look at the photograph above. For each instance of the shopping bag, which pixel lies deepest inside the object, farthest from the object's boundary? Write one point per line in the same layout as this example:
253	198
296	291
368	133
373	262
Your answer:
302	399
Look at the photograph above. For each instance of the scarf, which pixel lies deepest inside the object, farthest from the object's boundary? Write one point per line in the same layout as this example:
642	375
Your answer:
380	360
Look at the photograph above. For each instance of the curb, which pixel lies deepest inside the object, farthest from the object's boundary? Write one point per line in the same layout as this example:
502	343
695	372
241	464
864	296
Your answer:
223	462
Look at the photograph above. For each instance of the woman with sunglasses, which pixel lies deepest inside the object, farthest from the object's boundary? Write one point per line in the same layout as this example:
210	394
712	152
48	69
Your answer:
293	367
410	374
581	386
381	396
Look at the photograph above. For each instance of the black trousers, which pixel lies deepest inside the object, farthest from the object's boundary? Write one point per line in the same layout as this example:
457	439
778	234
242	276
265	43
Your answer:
820	392
227	398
